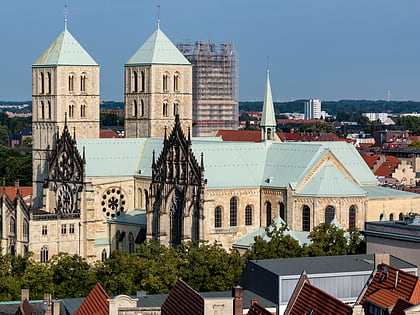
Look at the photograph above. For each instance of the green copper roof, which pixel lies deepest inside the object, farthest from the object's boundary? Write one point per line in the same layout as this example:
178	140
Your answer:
65	51
377	192
133	217
268	118
328	181
158	49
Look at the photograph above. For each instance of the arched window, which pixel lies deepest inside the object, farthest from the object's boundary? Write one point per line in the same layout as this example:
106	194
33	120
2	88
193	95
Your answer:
391	217
165	82
329	214
25	230
401	216
82	110
49	110
42	110
49	82
176	108
42	87
306	218
83	82
146	199
282	211
165	109
71	111
103	255
381	217
44	254
352	218
130	243
248	215
135	82
134	108
117	240
233	211
268	213
142	86
71	82
141	108
218	217
12	226
176	82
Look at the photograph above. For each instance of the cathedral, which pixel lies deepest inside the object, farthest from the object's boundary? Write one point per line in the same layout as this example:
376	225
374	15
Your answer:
93	195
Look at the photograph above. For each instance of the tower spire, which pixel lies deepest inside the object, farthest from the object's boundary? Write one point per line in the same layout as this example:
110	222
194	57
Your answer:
268	120
66	12
158	16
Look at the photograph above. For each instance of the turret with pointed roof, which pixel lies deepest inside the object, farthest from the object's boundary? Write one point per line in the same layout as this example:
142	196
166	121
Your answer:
158	85
268	120
65	83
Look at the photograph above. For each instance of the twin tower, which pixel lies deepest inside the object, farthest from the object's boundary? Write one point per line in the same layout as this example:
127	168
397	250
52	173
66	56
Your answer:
65	91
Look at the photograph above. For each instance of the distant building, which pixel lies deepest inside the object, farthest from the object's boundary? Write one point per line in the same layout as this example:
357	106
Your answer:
376	116
215	86
313	109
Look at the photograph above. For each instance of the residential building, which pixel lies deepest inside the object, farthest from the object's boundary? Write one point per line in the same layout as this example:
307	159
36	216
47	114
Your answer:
214	86
382	117
312	109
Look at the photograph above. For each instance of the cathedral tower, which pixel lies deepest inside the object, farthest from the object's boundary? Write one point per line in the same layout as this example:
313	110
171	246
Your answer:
65	87
158	85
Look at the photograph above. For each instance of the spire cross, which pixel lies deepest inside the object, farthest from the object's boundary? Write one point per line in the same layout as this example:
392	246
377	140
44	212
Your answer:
66	12
158	16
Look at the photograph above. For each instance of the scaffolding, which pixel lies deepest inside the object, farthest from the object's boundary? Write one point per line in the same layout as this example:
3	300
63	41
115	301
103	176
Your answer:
215	86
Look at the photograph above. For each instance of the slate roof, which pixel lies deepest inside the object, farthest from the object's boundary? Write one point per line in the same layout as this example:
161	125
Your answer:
65	51
158	49
389	284
95	303
308	299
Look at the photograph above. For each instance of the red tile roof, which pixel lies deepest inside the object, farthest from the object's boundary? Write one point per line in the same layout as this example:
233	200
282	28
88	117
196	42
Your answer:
108	134
307	298
183	300
370	160
387	167
389	284
240	135
399	308
12	191
257	309
96	303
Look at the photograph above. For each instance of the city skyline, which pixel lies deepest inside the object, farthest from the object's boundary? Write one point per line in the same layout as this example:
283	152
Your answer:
328	50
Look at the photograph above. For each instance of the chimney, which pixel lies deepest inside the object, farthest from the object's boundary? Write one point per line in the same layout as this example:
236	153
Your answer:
56	308
47	304
238	304
17	185
382	258
24	295
358	310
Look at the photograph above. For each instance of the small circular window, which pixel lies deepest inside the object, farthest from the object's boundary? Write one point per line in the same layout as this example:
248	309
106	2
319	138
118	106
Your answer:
113	202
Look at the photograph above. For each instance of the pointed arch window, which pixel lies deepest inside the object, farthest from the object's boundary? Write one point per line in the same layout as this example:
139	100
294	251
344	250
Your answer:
42	81
165	82
176	108
329	214
142	83
306	218
44	254
12	226
42	110
248	215
218	217
176	82
268	213
71	82
135	82
165	109
130	243
25	230
83	79
282	211
103	255
49	109
352	218
233	211
135	108
71	111
82	110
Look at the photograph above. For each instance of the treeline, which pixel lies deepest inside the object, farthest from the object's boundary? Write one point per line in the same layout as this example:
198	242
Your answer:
155	268
334	107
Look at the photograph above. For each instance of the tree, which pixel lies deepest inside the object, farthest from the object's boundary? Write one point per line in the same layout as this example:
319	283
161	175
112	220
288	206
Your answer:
280	245
327	240
363	120
38	278
412	123
319	126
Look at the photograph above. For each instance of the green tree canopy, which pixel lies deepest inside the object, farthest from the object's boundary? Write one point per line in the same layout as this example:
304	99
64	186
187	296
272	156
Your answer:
319	126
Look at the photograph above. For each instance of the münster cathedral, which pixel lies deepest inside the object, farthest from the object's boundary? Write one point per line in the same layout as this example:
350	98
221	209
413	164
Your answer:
94	195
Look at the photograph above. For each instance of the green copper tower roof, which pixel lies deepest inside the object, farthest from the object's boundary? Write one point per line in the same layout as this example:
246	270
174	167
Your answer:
158	49
65	51
268	118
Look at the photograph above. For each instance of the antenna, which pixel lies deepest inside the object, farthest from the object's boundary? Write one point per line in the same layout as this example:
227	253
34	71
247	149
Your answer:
268	64
158	16
66	13
389	95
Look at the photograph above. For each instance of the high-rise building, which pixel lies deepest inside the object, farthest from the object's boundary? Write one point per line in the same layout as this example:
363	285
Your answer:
313	109
215	86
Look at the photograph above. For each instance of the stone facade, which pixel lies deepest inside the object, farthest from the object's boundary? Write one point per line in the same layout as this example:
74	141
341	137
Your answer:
154	94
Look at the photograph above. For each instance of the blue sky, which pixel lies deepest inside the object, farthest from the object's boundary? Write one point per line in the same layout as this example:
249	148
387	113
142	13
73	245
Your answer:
327	49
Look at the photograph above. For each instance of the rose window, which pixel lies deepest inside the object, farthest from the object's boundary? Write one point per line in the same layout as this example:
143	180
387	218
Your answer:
113	202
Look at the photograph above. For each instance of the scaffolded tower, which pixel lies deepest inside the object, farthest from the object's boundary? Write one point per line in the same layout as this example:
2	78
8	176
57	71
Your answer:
215	86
